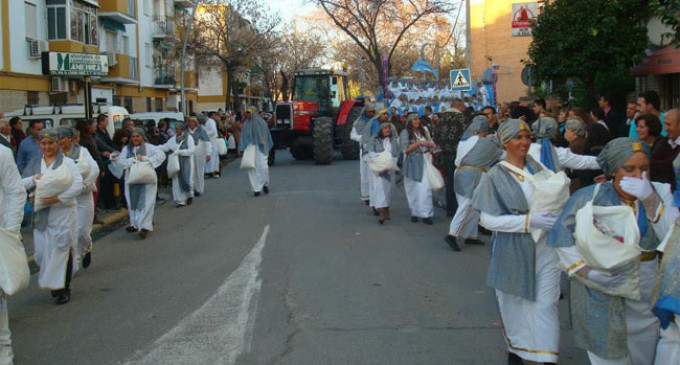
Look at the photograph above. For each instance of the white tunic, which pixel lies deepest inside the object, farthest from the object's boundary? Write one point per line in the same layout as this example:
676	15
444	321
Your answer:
214	164
203	149
171	146
419	193
380	187
52	246
531	329
12	198
464	222
142	217
259	176
85	209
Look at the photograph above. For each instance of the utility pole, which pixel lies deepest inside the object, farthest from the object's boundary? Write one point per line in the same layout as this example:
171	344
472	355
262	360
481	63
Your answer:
183	59
468	32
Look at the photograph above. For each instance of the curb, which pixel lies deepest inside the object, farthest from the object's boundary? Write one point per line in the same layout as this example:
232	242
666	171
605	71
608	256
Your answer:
107	222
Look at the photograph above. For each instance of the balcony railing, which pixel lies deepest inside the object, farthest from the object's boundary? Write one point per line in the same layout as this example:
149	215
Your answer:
133	68
163	27
165	75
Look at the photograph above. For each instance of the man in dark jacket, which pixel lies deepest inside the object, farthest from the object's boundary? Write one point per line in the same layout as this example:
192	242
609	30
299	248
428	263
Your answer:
107	199
447	133
615	122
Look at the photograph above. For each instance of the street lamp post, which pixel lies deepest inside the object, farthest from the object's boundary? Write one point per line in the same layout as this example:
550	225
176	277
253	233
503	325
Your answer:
184	56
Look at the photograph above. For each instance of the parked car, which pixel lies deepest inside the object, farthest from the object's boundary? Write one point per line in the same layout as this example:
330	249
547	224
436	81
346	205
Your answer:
68	115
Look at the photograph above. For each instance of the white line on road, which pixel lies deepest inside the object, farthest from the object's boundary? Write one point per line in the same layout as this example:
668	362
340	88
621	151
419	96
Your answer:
221	329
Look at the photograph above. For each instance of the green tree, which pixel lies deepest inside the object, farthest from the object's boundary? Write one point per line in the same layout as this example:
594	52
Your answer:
584	38
669	13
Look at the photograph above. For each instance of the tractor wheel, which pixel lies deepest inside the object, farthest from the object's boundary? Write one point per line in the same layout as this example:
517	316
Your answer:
350	149
272	157
323	140
300	150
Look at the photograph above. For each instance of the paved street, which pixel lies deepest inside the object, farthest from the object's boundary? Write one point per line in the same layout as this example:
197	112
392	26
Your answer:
305	275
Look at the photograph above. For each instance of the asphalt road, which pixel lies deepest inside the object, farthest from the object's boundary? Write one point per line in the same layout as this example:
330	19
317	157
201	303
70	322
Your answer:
304	275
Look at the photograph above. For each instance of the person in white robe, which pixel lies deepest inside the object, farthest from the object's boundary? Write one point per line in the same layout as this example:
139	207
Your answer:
611	306
475	155
89	170
256	133
141	198
356	135
203	154
182	144
12	198
55	230
416	143
523	271
212	167
382	182
556	158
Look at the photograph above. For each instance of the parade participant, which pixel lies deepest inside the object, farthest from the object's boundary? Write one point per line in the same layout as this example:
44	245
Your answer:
371	130
89	171
523	272
614	326
382	183
356	135
56	225
141	198
256	132
12	198
475	155
446	134
417	144
212	167
183	145
203	154
555	158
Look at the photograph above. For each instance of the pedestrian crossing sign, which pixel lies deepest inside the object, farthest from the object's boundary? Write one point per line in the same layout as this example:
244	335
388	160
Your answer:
460	80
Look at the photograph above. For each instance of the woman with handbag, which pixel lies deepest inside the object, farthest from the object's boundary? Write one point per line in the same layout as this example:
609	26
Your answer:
12	199
181	165
522	270
56	182
382	182
417	144
606	239
257	139
475	155
141	184
89	171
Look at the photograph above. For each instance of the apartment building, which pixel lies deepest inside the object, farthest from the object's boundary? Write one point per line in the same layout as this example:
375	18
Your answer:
127	49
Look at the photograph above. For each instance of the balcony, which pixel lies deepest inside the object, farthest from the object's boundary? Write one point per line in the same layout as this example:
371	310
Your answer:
121	11
124	71
184	3
163	28
165	76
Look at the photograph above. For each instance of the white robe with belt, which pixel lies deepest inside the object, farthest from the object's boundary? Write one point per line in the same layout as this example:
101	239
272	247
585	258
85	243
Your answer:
85	209
213	165
465	221
141	218
381	188
203	149
53	245
171	146
531	329
12	198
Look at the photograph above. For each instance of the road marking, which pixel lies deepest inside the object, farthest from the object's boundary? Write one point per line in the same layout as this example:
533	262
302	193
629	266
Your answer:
222	328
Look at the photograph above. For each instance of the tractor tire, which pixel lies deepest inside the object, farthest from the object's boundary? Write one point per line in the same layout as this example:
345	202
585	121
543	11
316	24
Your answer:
300	150
350	149
272	157
323	140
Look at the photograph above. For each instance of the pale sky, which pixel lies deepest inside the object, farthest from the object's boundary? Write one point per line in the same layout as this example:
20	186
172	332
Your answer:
289	8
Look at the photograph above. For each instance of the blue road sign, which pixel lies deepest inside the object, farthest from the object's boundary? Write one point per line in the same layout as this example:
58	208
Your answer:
460	80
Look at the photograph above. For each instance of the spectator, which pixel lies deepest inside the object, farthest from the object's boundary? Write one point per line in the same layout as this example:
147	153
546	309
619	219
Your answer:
86	128
539	108
631	112
6	138
17	130
29	148
581	113
598	116
447	133
107	199
648	128
661	163
120	139
648	102
612	117
490	113
575	135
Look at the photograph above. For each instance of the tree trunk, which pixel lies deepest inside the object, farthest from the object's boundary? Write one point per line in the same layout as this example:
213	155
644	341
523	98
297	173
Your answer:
284	86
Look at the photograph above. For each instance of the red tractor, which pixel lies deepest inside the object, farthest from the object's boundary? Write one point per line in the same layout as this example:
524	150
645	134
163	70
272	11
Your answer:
319	119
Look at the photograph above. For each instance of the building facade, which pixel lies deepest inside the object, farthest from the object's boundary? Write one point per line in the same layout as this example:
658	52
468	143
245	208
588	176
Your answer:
499	39
137	41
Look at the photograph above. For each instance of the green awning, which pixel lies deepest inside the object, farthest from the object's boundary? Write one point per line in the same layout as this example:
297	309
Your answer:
113	25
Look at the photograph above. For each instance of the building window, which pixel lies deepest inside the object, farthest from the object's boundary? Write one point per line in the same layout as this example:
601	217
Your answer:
148	104
56	19
116	100
159	104
147	54
32	98
84	23
128	104
30	15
